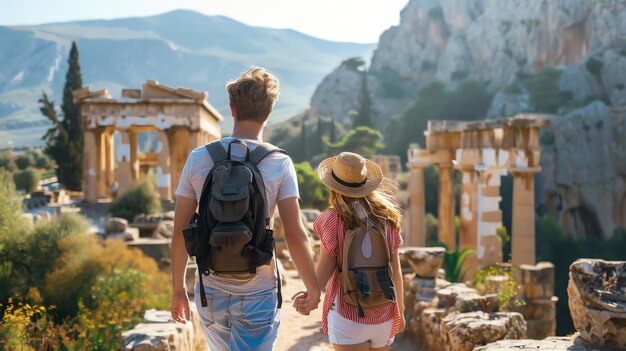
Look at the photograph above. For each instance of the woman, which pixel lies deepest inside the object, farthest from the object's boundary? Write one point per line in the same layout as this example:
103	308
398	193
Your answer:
358	194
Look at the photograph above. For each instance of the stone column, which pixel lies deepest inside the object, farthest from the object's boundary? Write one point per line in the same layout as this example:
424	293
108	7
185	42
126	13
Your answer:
417	231
101	177
523	224
468	217
90	165
134	157
124	178
109	161
196	139
446	205
489	249
163	167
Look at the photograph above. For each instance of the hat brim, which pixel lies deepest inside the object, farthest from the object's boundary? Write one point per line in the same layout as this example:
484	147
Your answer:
374	177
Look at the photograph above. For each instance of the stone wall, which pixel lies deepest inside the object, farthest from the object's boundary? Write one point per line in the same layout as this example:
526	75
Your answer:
597	300
442	316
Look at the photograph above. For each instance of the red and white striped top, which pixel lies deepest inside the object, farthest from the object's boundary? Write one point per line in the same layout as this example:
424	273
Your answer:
331	231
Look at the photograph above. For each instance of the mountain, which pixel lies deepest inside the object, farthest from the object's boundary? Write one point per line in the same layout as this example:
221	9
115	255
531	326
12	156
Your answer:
178	48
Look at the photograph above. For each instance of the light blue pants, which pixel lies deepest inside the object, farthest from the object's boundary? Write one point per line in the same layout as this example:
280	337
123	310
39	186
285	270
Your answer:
233	322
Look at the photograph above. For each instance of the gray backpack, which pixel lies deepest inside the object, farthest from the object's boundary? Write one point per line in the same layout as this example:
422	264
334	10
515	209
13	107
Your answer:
230	233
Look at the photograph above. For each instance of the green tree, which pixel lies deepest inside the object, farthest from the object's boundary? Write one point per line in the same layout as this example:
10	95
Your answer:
64	141
303	138
27	180
468	102
543	90
408	126
140	198
361	140
364	113
312	191
24	161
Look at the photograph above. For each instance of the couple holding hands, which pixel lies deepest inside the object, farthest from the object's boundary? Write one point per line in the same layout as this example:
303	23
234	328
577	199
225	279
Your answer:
235	184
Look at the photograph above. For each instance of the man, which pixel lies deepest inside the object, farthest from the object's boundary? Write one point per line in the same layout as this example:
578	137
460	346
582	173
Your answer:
241	313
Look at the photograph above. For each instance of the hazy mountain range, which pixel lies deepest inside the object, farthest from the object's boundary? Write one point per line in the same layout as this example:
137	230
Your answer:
178	48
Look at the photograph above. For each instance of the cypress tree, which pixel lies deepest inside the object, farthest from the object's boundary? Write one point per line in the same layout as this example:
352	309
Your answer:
333	133
305	152
64	141
363	116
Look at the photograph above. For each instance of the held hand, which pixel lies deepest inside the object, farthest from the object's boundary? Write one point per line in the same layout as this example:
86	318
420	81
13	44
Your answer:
179	307
304	301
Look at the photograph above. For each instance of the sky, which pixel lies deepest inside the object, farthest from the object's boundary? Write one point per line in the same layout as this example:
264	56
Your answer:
337	20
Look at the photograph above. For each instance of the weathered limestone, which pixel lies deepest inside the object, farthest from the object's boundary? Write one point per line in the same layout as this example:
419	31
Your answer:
567	343
446	205
539	308
483	152
416	235
464	331
597	301
159	332
183	119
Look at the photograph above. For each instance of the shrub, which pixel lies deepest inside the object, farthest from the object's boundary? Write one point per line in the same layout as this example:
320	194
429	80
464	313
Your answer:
141	198
43	243
7	163
27	180
453	263
24	161
507	290
312	191
83	261
12	239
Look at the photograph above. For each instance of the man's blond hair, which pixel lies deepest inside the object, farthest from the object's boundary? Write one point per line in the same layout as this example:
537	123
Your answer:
253	94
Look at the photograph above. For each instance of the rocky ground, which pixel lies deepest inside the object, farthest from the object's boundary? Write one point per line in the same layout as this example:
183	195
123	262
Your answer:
300	333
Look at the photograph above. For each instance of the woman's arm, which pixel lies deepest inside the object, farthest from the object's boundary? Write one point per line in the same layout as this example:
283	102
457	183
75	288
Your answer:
398	282
325	267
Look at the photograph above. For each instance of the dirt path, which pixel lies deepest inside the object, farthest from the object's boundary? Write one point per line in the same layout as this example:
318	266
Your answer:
304	333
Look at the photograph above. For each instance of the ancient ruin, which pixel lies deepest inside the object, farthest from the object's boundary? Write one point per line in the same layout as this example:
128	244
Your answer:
597	301
182	118
482	151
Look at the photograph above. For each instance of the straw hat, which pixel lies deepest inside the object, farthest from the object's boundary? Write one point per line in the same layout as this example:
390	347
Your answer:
350	174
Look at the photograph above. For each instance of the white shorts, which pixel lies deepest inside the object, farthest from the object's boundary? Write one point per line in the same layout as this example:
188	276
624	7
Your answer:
342	331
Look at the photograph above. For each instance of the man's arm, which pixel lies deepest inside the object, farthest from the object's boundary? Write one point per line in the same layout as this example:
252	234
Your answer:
298	244
185	208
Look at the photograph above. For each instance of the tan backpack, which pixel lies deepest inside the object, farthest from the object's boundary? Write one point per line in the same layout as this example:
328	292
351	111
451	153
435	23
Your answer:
365	268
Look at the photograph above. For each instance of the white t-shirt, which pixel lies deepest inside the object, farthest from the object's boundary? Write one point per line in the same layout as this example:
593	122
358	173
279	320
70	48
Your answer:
281	182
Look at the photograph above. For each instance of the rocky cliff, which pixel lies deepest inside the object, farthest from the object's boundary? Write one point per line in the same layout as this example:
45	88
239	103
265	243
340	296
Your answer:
500	43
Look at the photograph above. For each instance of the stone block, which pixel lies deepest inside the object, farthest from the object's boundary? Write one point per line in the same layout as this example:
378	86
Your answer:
425	261
597	301
447	296
473	302
131	234
157	249
115	225
541	329
430	328
158	331
464	331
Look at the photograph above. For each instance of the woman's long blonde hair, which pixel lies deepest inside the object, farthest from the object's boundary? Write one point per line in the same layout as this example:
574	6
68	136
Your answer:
380	205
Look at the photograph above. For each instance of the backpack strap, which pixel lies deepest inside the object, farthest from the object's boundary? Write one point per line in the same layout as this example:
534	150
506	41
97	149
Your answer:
216	150
262	151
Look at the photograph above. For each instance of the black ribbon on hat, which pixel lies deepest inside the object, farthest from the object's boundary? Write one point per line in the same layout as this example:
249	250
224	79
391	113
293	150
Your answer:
344	183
